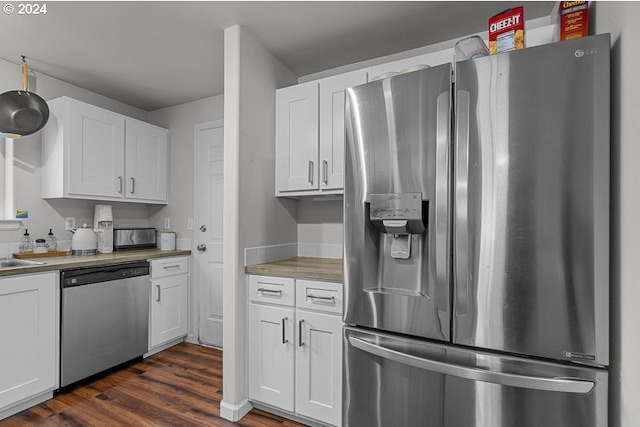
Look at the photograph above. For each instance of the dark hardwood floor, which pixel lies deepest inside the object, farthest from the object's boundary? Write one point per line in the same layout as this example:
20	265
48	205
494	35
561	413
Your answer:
181	386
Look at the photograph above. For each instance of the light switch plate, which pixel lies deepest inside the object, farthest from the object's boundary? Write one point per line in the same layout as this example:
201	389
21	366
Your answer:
189	223
70	223
167	223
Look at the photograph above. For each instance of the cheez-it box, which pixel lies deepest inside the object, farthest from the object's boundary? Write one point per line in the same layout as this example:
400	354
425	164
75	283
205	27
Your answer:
506	30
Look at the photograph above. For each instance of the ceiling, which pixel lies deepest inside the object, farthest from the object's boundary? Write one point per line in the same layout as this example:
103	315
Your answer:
156	54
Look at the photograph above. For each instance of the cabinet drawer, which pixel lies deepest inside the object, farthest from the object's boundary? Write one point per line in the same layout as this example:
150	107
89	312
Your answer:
165	267
321	296
273	290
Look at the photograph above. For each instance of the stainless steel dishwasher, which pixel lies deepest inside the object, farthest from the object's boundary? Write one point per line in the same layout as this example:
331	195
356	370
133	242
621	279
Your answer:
104	318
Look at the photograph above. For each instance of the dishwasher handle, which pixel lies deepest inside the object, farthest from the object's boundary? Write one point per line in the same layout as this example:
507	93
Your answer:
87	276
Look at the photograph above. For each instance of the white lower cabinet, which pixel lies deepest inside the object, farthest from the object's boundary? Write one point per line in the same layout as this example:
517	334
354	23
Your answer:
271	355
319	366
295	346
168	311
28	339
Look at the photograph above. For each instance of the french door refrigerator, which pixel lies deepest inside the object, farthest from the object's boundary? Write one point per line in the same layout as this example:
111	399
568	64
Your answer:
476	213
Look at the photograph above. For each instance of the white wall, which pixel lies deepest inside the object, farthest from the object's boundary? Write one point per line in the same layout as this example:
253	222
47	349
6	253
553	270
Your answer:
320	221
621	20
180	121
252	215
44	215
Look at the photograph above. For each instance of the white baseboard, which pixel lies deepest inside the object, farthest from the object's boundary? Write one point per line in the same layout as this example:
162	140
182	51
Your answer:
33	401
163	347
232	412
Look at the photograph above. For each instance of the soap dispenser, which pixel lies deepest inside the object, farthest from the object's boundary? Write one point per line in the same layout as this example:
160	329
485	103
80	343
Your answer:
26	244
52	243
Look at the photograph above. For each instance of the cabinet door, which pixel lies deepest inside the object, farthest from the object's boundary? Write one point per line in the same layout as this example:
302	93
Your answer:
168	309
332	127
297	138
96	151
146	161
319	367
28	331
271	355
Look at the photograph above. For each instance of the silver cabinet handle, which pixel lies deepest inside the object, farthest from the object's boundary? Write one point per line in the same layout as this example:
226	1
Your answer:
300	343
159	293
311	172
567	385
325	172
284	336
461	231
120	181
321	298
133	185
171	267
441	292
270	291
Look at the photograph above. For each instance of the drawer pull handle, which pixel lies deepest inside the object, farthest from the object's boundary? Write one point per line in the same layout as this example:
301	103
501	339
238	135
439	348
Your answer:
321	298
270	291
169	267
300	343
284	337
159	293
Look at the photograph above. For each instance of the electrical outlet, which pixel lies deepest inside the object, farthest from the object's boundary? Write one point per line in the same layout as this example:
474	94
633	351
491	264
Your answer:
167	223
189	223
70	223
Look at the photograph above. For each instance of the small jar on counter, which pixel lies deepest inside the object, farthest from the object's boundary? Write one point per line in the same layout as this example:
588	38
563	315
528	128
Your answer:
40	247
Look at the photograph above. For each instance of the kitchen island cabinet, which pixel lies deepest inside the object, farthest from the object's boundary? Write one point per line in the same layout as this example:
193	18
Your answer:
295	346
29	340
92	153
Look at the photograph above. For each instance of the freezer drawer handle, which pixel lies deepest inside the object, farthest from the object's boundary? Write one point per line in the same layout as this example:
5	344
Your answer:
566	385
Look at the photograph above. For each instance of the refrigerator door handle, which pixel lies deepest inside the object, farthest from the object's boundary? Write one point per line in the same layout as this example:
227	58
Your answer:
557	384
461	231
441	200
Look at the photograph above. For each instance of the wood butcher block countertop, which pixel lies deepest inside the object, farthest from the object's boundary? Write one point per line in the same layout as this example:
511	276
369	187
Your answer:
75	261
328	269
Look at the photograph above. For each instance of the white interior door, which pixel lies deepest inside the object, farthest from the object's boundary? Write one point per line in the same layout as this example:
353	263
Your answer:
209	148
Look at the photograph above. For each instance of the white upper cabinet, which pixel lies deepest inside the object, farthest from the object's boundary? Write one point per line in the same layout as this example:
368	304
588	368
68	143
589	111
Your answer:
332	94
96	151
92	153
297	138
310	135
145	161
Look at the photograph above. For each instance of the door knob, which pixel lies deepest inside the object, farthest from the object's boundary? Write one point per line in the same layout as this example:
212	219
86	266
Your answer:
203	228
201	247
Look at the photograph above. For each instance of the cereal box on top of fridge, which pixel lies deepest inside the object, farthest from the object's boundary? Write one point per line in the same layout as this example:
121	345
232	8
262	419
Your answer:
573	17
506	30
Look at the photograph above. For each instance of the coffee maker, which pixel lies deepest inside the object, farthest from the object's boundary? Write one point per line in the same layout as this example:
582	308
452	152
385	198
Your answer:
103	226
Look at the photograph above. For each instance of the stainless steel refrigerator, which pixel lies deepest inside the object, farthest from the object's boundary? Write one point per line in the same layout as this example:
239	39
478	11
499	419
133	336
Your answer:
476	213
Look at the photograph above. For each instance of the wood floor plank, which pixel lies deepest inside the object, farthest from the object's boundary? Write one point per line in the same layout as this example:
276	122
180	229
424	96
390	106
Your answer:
181	386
